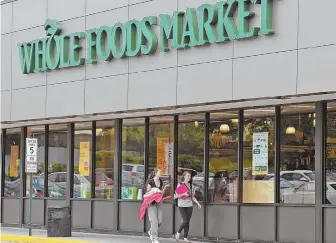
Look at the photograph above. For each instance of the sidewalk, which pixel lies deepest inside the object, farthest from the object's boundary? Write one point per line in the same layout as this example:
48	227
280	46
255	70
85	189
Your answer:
40	236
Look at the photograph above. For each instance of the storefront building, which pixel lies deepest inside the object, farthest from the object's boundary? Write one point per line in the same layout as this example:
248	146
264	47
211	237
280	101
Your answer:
241	93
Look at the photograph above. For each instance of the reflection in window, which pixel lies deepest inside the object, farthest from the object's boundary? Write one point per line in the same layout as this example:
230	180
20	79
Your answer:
133	172
57	161
82	160
297	156
104	159
161	143
191	151
223	157
12	163
258	162
37	132
331	155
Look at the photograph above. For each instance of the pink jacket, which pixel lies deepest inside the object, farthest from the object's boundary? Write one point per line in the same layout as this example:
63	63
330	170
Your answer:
155	197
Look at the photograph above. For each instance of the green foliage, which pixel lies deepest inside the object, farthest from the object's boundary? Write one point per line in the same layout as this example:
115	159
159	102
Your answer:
58	167
42	166
129	159
76	169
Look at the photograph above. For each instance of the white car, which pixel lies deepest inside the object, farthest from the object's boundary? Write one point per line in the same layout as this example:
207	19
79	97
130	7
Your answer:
331	192
198	184
305	193
295	177
133	175
58	181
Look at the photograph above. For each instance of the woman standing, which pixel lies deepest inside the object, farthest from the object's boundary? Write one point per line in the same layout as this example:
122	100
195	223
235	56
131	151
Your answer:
154	184
185	205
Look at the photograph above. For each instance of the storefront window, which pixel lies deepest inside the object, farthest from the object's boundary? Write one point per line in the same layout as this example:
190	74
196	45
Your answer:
297	157
191	151
258	162
133	169
82	160
57	161
223	157
331	155
161	144
37	132
12	163
104	178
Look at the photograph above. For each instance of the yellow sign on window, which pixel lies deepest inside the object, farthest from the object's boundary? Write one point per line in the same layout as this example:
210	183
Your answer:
84	158
161	162
14	161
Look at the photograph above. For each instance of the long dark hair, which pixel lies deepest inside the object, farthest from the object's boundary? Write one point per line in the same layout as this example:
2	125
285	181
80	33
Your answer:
183	176
151	177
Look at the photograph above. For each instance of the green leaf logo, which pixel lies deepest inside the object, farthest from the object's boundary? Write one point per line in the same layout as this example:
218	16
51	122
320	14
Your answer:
52	28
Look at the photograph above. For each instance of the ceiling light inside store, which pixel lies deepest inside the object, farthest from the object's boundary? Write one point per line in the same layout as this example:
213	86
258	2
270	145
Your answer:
235	120
290	130
196	123
99	131
224	128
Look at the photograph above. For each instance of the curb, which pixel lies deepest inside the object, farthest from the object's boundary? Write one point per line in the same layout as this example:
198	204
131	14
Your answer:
32	239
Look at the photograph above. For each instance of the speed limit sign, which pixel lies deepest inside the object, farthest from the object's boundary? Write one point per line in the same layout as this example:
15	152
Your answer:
31	155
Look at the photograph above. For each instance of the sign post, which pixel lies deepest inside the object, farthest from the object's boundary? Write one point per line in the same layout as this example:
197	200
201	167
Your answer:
31	168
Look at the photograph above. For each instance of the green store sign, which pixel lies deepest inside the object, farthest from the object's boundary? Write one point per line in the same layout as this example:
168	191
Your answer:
208	24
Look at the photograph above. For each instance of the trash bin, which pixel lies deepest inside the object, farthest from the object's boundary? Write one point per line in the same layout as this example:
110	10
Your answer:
59	222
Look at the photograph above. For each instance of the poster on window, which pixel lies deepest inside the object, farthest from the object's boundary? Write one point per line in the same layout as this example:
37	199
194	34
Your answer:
170	158
14	161
84	158
260	153
161	162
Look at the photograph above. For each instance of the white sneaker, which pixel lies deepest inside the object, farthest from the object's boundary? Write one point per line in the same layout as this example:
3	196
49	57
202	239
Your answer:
150	235
156	241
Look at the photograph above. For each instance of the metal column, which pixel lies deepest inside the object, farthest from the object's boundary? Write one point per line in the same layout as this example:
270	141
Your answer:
70	163
117	171
146	159
93	169
175	156
320	145
3	167
206	172
46	166
277	168
240	167
23	135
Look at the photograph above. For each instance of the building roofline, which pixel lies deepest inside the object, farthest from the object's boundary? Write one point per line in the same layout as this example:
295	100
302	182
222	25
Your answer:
7	1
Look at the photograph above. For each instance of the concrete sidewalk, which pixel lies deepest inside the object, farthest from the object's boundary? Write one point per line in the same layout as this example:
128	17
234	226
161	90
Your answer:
40	236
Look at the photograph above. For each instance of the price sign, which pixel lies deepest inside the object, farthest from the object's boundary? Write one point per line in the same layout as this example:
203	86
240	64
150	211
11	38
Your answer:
31	155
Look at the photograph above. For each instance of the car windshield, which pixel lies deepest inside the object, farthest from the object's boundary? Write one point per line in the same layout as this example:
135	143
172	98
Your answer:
333	186
268	177
310	175
82	179
201	174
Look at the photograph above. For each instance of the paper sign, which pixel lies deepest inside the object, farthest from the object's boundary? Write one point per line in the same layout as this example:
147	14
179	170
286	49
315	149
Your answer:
260	153
161	162
84	158
13	167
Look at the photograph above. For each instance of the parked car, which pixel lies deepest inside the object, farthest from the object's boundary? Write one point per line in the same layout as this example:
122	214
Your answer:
198	184
12	188
295	177
331	192
305	193
57	184
133	175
